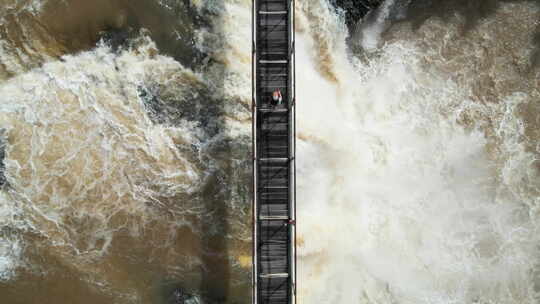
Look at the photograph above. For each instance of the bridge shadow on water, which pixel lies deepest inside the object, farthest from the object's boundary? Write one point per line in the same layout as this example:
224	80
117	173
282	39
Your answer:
225	166
225	161
214	225
216	272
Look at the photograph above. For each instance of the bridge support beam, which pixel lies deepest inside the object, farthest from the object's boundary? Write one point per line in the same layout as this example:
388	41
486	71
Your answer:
274	150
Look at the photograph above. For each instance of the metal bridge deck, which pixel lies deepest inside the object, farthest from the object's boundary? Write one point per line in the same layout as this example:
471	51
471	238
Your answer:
274	216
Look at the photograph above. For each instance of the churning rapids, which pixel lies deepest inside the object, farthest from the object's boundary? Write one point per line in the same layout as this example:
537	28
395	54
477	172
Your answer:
125	146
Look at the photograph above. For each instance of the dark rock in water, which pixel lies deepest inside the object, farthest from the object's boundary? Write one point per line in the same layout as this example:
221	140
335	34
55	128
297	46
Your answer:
355	9
165	106
179	296
118	38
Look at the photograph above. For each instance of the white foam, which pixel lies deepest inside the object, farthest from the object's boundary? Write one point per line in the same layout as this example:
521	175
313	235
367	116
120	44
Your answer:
10	257
11	245
82	148
397	202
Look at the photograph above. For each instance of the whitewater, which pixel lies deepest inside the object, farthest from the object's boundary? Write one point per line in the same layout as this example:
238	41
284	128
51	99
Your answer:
418	180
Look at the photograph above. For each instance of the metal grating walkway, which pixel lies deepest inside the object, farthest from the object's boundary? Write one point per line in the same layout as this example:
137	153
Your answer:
274	216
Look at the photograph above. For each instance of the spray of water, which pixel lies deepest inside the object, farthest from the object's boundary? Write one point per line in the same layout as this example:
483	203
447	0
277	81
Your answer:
400	200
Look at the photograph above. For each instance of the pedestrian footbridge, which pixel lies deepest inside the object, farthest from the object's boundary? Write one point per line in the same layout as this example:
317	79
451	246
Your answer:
274	179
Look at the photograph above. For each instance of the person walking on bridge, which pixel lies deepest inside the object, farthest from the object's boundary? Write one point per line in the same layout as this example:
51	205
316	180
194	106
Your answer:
276	96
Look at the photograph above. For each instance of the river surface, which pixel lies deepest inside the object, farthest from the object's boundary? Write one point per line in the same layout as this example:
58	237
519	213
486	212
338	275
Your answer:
125	135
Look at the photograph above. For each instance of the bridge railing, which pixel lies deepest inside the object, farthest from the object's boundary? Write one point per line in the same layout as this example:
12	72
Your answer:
274	149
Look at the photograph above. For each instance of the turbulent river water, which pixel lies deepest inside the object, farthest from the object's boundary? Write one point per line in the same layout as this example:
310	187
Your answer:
125	131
